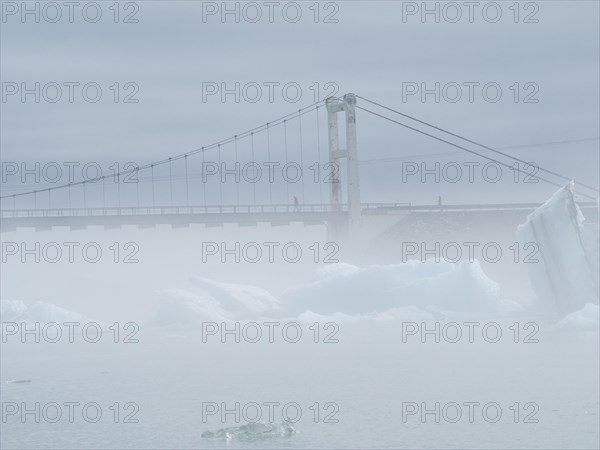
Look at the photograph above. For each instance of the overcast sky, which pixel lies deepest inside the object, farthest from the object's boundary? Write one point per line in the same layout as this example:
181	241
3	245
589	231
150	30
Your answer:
368	49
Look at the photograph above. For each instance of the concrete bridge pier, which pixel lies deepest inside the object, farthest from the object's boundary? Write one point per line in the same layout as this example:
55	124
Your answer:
338	230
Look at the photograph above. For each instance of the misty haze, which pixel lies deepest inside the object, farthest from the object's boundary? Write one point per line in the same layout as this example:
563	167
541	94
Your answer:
303	225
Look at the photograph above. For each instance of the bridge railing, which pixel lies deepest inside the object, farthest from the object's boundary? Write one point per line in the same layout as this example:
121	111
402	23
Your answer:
367	208
170	210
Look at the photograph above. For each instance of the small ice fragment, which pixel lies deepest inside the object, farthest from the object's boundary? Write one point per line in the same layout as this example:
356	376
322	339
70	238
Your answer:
252	432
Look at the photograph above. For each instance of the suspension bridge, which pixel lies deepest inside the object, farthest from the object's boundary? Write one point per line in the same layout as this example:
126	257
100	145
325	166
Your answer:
292	169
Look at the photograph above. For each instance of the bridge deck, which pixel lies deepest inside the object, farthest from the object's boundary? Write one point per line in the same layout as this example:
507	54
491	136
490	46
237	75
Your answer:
240	214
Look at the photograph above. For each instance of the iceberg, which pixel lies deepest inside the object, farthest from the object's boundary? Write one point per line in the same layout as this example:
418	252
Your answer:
377	288
408	313
210	300
182	307
46	312
10	309
565	276
17	311
586	319
237	297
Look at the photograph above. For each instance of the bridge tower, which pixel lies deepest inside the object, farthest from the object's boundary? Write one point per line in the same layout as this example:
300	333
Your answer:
334	106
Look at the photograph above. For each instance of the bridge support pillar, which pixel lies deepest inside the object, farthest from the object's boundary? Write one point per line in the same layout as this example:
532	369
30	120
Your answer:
335	105
354	206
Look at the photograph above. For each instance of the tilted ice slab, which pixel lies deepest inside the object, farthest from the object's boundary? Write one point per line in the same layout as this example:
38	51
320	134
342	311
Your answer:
566	275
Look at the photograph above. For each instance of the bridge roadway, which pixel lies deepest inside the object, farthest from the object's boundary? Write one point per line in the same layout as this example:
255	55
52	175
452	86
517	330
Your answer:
180	216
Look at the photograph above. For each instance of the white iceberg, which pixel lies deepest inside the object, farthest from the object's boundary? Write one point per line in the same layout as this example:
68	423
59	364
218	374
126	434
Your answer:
406	313
237	297
42	312
178	306
566	275
439	285
209	300
10	309
586	319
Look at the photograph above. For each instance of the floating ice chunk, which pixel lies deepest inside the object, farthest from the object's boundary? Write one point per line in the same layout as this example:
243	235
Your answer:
237	297
566	274
178	306
9	309
252	432
586	319
407	313
39	312
213	301
310	317
329	270
462	287
47	312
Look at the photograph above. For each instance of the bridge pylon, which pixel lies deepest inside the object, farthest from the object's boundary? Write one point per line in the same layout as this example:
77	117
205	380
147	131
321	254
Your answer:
334	106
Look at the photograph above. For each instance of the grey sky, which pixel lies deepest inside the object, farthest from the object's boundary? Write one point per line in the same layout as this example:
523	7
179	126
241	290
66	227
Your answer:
370	51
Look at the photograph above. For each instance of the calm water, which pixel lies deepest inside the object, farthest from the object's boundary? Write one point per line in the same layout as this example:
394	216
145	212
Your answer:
364	379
